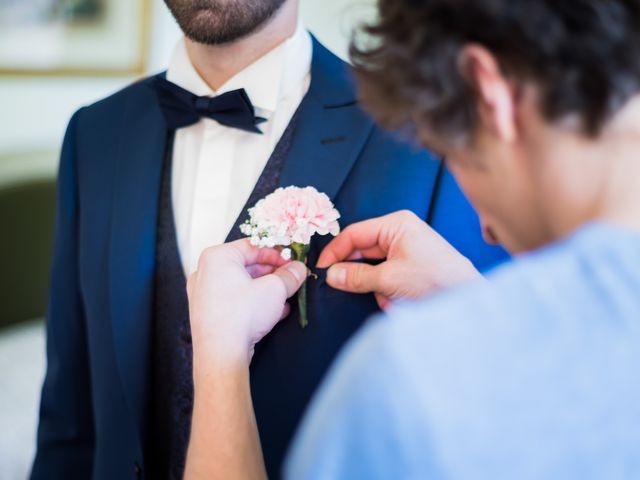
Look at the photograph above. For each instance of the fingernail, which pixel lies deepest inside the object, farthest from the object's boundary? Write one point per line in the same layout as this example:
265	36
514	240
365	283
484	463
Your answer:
337	275
298	270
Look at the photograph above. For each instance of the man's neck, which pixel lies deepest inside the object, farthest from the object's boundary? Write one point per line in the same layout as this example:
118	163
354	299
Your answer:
216	64
620	196
599	178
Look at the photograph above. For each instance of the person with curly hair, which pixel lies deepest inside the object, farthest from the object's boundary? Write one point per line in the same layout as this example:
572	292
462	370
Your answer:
530	373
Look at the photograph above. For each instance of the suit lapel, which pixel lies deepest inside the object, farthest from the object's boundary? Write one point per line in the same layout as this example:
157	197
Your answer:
331	131
133	239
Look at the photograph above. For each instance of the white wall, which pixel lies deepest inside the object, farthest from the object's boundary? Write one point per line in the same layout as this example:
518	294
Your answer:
34	110
332	21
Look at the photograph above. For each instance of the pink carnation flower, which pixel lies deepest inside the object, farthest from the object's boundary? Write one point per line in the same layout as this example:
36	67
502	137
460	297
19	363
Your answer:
291	215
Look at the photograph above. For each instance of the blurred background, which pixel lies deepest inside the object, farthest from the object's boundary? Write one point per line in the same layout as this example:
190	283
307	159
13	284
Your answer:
55	56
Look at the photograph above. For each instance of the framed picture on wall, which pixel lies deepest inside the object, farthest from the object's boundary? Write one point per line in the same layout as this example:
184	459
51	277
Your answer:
73	36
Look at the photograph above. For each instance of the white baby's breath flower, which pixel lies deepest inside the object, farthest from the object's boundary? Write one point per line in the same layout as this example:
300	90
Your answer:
286	254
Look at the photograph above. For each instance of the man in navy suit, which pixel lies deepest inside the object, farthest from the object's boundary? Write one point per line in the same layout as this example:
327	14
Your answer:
151	176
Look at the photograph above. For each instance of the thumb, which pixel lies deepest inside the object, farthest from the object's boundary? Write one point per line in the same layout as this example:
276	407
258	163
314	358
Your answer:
292	276
354	277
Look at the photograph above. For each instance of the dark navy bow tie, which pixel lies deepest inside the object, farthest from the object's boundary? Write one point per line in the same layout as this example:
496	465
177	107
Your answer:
182	108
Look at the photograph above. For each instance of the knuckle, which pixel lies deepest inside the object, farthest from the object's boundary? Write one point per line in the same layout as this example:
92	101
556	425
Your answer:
208	257
349	229
387	281
278	286
202	262
286	276
355	277
289	282
384	279
205	258
407	215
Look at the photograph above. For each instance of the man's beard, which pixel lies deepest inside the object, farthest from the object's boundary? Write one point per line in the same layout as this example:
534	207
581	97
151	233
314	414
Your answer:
216	22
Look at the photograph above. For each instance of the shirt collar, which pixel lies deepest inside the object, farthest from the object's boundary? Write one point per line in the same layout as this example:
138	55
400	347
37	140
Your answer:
268	80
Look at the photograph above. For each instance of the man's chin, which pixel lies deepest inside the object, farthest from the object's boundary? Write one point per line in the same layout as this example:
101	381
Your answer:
212	22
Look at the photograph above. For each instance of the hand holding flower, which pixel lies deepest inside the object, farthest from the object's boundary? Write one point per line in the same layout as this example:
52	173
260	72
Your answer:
236	297
289	218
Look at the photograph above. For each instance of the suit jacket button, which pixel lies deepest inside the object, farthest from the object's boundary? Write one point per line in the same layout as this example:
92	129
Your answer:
137	470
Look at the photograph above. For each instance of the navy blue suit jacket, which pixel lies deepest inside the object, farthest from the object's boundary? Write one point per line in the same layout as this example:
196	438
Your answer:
95	395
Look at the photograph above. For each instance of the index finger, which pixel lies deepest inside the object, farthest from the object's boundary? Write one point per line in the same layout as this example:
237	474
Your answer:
245	254
360	240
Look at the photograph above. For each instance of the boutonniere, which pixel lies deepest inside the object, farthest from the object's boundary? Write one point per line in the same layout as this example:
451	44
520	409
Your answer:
287	219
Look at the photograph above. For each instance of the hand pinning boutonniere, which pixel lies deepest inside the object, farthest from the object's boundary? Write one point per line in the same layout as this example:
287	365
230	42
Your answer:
287	219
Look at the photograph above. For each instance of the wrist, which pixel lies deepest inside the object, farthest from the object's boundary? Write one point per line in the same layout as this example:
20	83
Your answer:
210	381
214	361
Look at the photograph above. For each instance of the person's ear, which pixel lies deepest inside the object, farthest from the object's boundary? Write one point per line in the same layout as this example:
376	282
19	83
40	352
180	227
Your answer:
495	96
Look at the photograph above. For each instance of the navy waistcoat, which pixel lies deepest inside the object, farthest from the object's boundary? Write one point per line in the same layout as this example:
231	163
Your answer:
172	382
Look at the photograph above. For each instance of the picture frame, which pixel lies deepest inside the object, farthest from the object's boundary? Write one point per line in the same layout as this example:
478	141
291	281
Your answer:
74	37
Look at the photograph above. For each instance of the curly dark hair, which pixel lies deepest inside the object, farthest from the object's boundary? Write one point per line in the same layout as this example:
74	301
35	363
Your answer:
583	55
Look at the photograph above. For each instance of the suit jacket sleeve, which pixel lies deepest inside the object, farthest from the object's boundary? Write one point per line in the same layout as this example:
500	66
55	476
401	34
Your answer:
65	433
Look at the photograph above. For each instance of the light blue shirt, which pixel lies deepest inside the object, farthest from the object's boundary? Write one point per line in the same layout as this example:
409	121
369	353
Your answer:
534	374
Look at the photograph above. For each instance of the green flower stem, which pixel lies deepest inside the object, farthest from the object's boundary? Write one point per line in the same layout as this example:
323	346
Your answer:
300	252
302	305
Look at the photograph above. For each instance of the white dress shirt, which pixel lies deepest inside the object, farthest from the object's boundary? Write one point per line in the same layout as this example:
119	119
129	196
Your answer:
215	168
